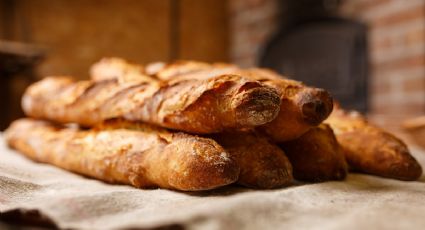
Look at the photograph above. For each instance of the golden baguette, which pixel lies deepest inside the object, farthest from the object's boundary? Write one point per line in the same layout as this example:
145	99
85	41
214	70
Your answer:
144	158
262	164
111	68
371	150
196	106
301	107
316	156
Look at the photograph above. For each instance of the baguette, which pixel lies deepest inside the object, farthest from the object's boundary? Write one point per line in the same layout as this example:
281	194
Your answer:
262	164
371	150
301	107
195	106
145	158
111	68
316	156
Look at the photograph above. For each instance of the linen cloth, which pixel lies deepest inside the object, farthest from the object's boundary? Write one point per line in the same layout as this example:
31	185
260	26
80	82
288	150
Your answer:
73	201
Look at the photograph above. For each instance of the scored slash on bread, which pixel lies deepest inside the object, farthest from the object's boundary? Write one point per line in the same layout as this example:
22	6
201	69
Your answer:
195	106
259	129
145	158
262	164
301	107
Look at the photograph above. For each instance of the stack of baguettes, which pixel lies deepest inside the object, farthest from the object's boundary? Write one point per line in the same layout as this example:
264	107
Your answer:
196	126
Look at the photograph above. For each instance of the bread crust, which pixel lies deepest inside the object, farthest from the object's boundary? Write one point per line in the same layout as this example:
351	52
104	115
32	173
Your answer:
263	164
145	158
301	107
111	67
195	106
371	150
316	156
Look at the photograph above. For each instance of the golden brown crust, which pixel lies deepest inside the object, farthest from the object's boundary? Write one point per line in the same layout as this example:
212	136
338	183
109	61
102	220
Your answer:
263	164
112	68
301	107
197	106
316	156
187	70
144	158
371	150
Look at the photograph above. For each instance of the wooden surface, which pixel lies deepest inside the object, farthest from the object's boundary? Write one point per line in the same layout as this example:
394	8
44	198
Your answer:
204	32
78	33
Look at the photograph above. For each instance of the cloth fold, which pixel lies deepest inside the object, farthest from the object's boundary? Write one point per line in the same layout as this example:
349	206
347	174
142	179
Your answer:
67	200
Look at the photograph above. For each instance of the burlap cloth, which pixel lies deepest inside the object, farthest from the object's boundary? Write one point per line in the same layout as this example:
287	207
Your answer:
72	201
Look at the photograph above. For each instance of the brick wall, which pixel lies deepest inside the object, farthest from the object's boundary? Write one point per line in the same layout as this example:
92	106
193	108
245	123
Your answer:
396	43
397	52
251	24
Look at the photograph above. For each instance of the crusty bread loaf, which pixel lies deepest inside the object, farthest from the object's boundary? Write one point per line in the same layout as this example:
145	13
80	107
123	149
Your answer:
112	68
301	107
371	150
144	158
316	155
263	164
196	106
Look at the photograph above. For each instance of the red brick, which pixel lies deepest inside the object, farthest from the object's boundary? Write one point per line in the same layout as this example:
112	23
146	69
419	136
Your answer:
402	16
383	43
400	109
381	109
412	108
368	5
380	86
416	36
416	84
408	62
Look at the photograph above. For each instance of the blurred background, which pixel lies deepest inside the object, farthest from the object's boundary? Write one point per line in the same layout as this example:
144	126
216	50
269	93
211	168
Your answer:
369	53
